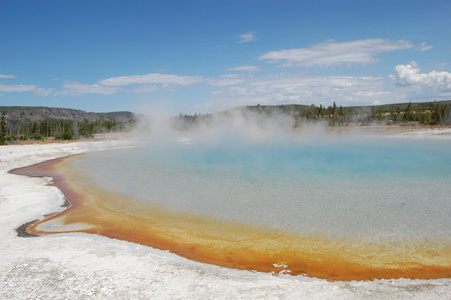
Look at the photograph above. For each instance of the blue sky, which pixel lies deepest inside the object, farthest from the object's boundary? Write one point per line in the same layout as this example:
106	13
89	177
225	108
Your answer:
168	56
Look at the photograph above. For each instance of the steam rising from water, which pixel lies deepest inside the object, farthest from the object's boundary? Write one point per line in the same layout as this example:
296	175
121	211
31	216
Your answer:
247	168
240	123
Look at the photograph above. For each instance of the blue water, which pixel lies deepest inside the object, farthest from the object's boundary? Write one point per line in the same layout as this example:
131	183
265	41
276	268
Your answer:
378	186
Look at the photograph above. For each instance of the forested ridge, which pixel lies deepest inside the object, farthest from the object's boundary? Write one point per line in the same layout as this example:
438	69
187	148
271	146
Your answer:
45	123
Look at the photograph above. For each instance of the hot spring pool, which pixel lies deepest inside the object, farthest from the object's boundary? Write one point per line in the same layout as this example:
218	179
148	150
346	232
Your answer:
370	188
333	207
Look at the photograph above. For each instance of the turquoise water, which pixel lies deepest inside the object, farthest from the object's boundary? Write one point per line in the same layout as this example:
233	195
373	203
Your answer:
374	187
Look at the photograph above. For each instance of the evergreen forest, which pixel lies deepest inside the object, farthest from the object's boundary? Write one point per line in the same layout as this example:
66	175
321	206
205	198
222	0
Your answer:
14	131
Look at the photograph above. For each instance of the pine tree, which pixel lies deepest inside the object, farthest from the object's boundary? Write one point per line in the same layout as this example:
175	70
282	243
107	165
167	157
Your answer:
3	130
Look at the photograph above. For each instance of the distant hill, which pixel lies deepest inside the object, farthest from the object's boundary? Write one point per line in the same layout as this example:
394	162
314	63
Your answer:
19	123
22	114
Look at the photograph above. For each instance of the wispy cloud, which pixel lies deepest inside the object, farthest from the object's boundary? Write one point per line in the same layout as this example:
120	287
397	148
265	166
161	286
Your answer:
74	88
6	76
346	90
247	37
153	78
141	84
20	88
245	68
227	80
333	53
43	92
424	47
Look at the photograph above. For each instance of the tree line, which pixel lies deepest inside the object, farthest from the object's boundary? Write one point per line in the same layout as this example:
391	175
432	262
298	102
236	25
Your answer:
15	131
430	113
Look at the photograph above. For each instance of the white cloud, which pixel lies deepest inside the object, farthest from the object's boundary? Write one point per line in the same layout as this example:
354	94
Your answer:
244	68
247	37
332	53
146	83
153	78
409	75
227	80
6	76
74	88
18	88
43	92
